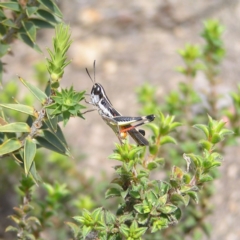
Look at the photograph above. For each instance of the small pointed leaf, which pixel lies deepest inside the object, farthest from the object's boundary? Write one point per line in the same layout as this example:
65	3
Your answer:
10	146
47	16
29	154
1	71
52	7
30	30
20	108
52	121
9	23
24	38
115	156
154	128
112	192
50	141
11	5
15	127
203	128
4	49
74	228
152	165
40	95
167	139
33	173
11	229
168	208
39	23
31	10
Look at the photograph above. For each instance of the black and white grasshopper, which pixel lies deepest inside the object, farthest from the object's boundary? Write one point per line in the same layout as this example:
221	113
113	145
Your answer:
121	125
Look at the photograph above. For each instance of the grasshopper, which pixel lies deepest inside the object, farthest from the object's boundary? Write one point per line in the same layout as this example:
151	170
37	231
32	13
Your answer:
121	125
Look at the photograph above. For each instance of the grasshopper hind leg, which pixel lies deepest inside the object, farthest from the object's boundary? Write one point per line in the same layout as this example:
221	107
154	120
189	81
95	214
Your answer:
142	132
138	137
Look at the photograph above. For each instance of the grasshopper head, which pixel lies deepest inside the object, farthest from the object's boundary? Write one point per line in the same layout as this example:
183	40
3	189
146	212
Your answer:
97	93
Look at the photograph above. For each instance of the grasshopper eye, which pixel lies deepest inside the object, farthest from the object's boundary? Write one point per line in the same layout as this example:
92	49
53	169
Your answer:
97	90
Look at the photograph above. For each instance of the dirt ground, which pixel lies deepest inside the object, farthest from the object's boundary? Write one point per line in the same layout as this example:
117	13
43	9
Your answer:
134	42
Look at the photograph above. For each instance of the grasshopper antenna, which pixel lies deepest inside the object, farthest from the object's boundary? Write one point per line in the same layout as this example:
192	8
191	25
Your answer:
94	69
89	75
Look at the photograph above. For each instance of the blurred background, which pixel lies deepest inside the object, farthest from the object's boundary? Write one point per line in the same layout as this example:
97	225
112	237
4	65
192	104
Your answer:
134	42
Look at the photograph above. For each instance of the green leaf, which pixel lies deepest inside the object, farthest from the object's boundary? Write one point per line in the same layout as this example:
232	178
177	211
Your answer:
203	128
2	15
1	71
134	151
85	231
44	143
124	230
29	154
168	208
33	173
154	128
10	146
162	200
139	232
110	218
24	38
52	122
164	187
47	16
206	227
15	127
11	229
167	139
35	220
215	138
4	49
139	208
143	218
52	7
31	10
193	195
53	140
79	219
206	144
60	135
20	108
135	194
40	95
96	214
30	29
39	23
11	5
225	131
153	149
176	198
174	125
9	23
124	193
112	192
115	156
152	197
159	224
74	228
152	165
123	218
205	178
